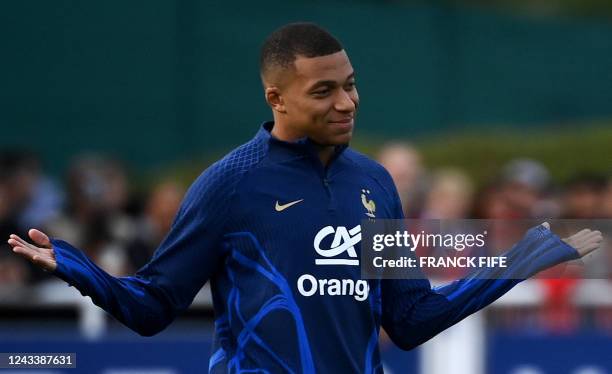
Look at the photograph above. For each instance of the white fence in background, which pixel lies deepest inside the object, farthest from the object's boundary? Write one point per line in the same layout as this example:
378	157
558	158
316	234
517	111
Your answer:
463	346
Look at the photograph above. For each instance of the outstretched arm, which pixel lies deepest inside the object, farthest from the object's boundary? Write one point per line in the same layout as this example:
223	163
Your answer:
413	312
148	301
135	301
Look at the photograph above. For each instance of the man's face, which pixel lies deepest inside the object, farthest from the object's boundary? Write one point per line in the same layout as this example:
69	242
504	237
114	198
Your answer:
320	98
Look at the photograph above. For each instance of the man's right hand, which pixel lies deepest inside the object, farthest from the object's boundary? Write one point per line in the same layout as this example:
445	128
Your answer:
41	253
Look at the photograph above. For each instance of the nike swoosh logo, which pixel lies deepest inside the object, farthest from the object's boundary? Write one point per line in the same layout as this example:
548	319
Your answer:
280	208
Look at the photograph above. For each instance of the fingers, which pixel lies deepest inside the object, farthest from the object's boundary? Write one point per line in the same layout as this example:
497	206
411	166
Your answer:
588	235
585	241
39	238
38	256
16	239
22	247
23	251
582	233
594	240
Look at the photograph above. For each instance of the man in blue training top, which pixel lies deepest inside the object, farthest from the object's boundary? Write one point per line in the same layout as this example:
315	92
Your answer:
275	227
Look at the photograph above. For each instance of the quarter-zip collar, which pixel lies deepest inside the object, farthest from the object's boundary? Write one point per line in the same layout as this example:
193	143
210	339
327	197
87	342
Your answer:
280	150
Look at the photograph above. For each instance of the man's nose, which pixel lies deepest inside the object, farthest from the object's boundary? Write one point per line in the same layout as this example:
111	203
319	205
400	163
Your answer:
344	102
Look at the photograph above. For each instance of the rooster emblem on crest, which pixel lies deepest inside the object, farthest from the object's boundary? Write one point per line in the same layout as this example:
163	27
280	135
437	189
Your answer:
368	204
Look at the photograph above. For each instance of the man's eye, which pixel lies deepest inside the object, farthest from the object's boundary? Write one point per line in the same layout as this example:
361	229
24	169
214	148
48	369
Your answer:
349	86
321	93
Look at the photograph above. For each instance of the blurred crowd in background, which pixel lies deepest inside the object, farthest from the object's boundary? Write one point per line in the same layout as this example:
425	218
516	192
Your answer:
523	189
95	207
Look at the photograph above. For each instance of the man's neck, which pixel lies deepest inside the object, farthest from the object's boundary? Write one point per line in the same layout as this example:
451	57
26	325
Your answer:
325	152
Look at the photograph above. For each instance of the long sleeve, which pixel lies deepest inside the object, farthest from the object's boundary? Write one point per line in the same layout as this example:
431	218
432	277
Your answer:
413	312
148	301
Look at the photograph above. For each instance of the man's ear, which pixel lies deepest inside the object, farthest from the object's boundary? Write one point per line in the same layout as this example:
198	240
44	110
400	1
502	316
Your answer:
274	98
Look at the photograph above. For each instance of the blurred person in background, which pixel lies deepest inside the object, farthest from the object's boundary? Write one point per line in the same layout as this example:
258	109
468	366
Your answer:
42	198
19	193
607	199
12	273
518	192
404	162
159	212
490	203
523	184
450	195
584	197
95	216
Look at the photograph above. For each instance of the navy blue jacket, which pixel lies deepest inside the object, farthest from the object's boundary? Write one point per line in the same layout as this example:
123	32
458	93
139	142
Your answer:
277	234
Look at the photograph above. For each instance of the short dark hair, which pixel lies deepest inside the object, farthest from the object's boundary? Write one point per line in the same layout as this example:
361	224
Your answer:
296	39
